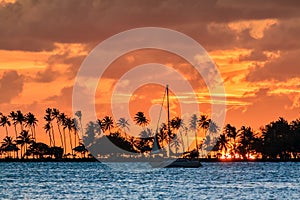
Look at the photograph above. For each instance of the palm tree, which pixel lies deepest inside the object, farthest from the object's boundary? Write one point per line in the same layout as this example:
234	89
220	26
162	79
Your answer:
75	128
13	116
203	123
56	115
62	120
31	121
231	132
176	124
79	115
4	122
9	145
69	125
107	123
47	128
213	127
124	125
193	127
176	142
140	119
275	139
48	118
20	119
186	133
24	139
222	143
145	139
247	139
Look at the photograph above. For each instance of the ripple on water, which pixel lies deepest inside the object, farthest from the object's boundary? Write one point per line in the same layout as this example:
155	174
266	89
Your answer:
97	181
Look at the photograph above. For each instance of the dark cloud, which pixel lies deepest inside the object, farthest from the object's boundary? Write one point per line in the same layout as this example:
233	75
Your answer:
36	25
281	69
11	85
64	99
47	75
72	65
255	55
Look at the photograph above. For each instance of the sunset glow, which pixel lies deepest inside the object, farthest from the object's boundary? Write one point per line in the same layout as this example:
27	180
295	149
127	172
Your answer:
258	57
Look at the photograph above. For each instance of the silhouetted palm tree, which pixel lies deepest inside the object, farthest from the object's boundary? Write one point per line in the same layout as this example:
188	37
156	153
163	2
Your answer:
68	124
213	127
56	115
31	121
222	143
246	142
232	133
4	122
8	145
176	143
146	137
75	128
24	139
186	133
62	120
193	127
140	119
162	135
13	116
176	124
79	115
47	128
124	125
107	124
20	119
275	139
48	118
203	123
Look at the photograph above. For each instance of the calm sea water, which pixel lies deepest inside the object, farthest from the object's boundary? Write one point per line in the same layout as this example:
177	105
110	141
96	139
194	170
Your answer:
97	181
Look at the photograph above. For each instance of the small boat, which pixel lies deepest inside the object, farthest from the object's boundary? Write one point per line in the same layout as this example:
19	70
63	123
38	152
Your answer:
166	162
176	163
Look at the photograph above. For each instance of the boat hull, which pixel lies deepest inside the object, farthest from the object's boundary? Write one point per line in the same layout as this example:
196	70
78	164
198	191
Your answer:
179	163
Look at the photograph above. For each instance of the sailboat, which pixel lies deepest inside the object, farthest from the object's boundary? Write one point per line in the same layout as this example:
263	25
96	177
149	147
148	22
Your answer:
167	162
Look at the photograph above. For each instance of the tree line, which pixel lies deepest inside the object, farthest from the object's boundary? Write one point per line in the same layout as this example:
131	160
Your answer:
199	136
24	138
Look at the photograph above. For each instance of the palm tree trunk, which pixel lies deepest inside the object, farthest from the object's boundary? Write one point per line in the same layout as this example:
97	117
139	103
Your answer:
65	147
71	142
182	141
60	135
53	135
50	139
6	131
32	132
187	141
75	139
196	137
16	131
81	129
21	151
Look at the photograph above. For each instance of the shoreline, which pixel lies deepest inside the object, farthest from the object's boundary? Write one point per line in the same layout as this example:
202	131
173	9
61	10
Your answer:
202	160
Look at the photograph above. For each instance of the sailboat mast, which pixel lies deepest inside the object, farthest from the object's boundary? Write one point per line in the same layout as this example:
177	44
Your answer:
168	108
168	113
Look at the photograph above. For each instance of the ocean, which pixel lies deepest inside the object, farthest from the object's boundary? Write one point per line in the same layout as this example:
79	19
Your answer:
94	180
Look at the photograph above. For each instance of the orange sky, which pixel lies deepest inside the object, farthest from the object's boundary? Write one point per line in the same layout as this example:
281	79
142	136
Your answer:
254	44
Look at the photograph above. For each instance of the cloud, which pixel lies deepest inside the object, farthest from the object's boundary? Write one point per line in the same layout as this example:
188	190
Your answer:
280	69
255	55
36	25
64	99
11	85
47	75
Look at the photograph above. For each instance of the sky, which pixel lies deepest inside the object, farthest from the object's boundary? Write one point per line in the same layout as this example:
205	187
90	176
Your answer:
254	44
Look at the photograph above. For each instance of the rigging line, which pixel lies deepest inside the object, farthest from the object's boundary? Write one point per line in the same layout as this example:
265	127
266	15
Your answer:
162	104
